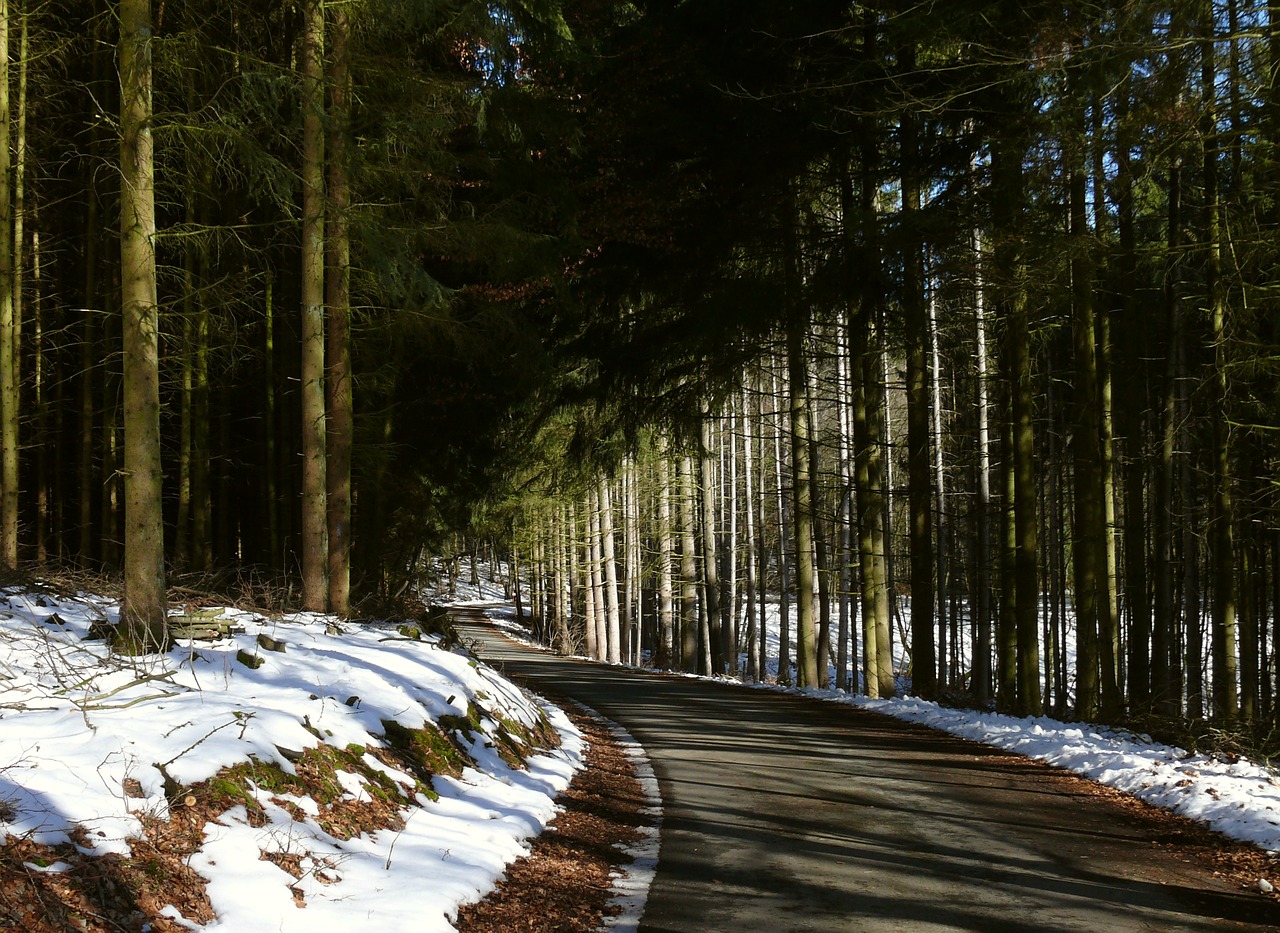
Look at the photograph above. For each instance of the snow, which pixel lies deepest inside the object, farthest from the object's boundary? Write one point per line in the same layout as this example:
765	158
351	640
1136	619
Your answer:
79	723
631	884
1237	797
80	726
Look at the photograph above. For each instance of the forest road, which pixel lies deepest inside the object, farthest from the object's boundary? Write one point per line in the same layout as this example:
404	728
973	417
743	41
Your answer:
783	813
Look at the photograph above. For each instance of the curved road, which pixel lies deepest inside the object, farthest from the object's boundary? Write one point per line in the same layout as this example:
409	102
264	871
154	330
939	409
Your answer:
783	813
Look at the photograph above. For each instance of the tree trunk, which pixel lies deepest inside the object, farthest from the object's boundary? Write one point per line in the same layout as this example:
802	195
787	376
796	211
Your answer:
597	635
688	569
802	500
1222	532
845	542
730	634
981	680
1088	549
1008	198
339	433
9	357
755	630
821	552
947	640
315	547
924	658
613	618
143	610
1165	623
666	555
784	567
713	649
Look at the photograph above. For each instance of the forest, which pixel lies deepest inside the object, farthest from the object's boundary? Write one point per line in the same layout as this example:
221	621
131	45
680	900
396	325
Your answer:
947	325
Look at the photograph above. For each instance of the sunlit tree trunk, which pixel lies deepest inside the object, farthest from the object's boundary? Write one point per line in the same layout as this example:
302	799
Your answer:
802	501
688	568
844	545
666	555
821	547
143	613
981	684
946	638
598	636
755	630
730	635
613	615
714	655
9	356
784	565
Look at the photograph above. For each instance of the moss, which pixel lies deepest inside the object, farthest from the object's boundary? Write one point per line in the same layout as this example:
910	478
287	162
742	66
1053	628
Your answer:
514	741
316	777
425	752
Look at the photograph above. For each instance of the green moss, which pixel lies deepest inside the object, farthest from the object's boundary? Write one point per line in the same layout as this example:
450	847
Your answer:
425	752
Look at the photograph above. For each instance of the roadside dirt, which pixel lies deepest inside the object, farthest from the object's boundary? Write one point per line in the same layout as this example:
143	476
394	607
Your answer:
563	884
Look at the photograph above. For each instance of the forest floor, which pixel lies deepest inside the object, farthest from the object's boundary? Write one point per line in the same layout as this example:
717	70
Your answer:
563	884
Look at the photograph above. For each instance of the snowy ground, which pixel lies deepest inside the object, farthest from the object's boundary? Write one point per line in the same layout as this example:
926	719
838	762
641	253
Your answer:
87	739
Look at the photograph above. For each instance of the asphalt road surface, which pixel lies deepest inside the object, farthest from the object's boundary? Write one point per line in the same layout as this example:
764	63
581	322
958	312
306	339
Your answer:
783	813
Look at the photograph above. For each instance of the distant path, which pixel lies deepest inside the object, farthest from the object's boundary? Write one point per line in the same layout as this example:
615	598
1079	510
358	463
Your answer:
785	814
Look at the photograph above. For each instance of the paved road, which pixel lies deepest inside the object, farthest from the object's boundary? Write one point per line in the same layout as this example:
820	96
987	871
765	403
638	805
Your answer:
783	813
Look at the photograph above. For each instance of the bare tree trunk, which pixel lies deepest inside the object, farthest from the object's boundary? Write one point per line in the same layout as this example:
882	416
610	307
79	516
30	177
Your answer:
1165	623
666	556
1090	558
598	638
1222	532
19	219
762	541
339	433
945	672
802	499
924	658
579	599
713	645
867	404
613	628
784	570
315	546
729	482
1007	182
629	608
821	556
688	569
143	610
9	357
981	681
755	631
